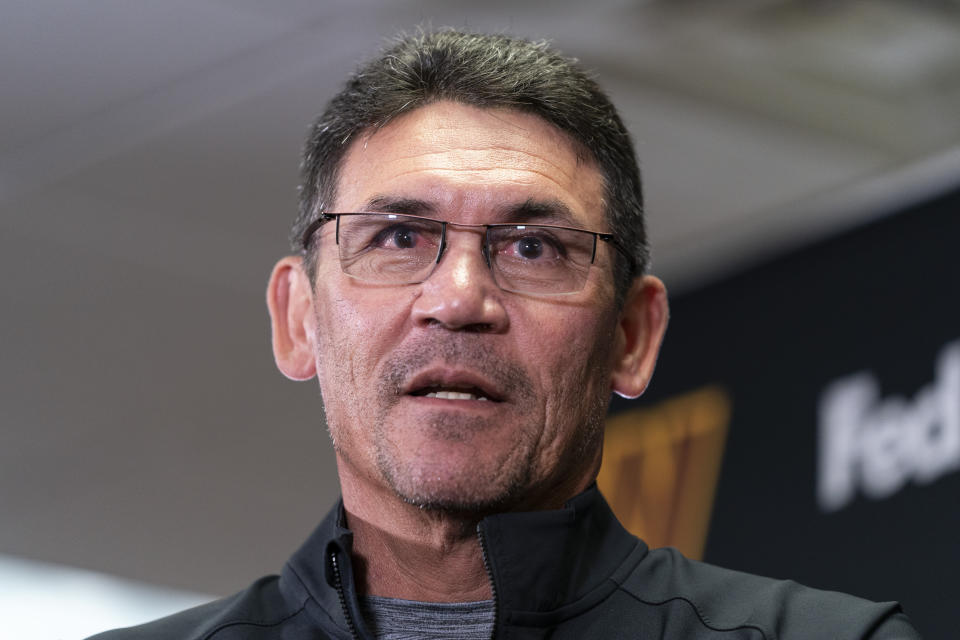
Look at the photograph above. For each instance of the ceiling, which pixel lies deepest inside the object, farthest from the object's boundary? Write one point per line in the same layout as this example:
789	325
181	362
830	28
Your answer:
148	169
190	115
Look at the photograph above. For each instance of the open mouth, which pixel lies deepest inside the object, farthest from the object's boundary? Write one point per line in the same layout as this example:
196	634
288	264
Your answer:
444	383
453	393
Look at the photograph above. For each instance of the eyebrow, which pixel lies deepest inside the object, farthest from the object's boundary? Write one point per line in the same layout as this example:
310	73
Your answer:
531	210
550	211
407	206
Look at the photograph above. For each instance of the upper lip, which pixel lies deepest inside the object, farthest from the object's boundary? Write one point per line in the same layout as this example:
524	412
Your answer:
453	379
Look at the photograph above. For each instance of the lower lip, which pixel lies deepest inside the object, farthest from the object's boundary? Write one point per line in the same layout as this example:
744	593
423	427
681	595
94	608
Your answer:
453	404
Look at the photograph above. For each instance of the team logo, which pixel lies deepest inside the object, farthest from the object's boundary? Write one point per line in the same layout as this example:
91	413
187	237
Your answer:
660	467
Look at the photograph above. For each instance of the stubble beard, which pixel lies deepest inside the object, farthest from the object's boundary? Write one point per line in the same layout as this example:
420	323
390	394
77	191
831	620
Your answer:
479	488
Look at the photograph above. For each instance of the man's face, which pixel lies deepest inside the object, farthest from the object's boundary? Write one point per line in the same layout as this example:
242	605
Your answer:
537	369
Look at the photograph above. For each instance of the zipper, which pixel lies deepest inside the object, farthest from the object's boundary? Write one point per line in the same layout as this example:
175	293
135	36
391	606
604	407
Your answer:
493	585
338	584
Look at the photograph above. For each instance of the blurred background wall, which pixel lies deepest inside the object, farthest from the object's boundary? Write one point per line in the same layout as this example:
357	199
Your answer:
148	171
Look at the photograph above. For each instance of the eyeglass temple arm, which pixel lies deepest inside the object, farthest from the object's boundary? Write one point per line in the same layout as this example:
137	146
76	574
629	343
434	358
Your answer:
611	240
321	220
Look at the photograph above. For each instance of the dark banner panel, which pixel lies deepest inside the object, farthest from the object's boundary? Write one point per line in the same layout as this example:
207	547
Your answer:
840	364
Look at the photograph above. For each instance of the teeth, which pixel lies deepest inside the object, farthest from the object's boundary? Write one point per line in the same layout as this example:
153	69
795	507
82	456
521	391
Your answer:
455	395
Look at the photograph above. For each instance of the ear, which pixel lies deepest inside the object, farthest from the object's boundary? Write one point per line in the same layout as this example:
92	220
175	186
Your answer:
292	320
642	324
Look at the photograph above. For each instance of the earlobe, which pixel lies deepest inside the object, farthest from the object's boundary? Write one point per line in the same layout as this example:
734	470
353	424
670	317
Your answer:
290	303
642	324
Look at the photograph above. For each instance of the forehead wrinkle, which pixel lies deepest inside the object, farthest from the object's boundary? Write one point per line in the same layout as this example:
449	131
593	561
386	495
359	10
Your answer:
563	211
455	170
569	144
499	150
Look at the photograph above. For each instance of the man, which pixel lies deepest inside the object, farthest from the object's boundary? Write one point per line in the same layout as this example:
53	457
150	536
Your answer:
468	289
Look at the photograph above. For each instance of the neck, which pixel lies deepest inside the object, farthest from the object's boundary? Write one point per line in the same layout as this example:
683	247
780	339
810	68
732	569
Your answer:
443	563
403	551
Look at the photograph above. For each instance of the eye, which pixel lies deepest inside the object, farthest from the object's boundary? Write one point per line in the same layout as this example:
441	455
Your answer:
400	236
404	238
531	246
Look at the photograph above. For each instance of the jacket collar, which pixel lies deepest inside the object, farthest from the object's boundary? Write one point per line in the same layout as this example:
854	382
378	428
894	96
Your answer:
543	564
545	561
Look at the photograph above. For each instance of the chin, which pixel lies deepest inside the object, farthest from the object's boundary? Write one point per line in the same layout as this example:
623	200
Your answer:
467	489
457	465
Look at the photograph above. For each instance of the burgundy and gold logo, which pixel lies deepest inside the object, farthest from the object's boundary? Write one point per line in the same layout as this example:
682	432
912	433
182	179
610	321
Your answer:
661	464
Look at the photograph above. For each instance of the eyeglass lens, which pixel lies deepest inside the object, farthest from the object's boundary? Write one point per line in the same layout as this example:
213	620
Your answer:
395	249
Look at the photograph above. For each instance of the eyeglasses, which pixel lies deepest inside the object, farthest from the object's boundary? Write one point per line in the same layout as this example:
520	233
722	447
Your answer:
397	249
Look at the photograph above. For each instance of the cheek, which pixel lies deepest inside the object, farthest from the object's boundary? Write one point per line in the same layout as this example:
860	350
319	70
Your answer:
573	345
346	348
575	369
354	335
573	353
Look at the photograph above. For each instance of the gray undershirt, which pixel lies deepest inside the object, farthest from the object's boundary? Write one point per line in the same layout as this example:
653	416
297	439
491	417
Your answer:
393	619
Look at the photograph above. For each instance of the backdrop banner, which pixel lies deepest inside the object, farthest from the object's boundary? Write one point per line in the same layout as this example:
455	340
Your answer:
804	419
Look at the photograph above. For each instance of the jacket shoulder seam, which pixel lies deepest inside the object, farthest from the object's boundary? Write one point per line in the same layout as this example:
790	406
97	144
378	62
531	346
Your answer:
254	623
700	615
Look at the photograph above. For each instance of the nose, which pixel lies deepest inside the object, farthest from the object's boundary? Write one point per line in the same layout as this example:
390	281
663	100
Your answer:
461	294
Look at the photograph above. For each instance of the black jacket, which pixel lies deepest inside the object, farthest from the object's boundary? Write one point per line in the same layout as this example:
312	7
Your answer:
572	573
